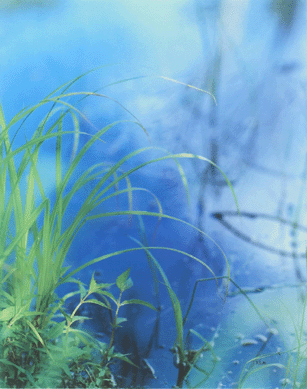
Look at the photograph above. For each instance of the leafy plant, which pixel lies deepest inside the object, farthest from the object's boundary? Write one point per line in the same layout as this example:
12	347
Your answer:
34	245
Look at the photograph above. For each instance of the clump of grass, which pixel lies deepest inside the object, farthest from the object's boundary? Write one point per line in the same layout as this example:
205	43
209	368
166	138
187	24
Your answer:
32	255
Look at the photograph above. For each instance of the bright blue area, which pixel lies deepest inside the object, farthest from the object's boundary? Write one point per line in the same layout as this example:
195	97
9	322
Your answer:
41	49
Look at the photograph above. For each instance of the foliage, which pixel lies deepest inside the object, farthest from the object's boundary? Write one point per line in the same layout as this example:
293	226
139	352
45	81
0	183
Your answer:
59	354
41	343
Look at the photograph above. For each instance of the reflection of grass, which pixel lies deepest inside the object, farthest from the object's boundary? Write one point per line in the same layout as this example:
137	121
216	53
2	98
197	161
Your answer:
36	349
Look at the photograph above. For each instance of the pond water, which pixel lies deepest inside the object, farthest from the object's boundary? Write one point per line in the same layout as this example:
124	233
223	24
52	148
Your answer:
251	55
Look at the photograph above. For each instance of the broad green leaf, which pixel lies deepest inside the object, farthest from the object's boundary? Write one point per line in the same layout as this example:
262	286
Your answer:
93	284
121	280
120	320
7	313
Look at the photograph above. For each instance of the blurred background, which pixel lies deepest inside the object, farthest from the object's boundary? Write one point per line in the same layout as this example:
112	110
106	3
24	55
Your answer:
249	54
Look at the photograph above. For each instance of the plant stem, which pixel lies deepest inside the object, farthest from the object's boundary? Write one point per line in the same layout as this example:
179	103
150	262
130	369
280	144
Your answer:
113	330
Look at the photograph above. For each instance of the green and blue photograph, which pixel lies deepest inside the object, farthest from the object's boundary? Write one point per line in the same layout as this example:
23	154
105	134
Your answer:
153	186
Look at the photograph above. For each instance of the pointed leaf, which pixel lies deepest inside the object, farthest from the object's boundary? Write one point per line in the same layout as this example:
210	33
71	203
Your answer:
78	318
141	302
123	357
97	302
93	284
121	280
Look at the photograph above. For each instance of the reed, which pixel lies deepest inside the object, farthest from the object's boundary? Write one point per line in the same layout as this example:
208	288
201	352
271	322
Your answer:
39	344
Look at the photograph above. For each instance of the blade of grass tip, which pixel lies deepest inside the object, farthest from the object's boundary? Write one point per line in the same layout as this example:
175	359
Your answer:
121	82
190	86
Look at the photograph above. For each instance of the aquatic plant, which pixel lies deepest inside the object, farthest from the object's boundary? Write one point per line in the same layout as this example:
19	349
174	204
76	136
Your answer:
39	341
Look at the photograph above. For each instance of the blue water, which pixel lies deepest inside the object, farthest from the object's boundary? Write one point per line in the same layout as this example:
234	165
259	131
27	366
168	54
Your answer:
258	125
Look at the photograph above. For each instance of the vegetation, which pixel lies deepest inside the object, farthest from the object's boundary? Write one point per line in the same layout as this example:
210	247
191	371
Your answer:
42	342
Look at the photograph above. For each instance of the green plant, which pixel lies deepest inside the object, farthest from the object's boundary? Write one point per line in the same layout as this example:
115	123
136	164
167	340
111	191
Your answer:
32	253
184	358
